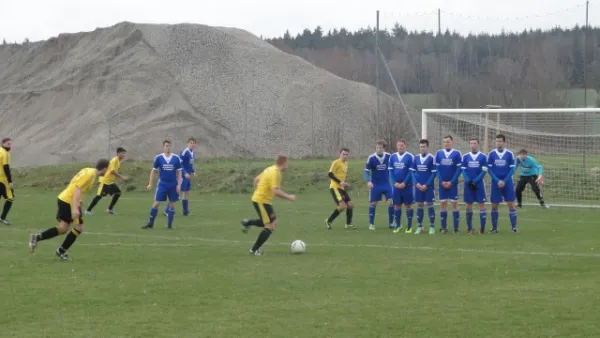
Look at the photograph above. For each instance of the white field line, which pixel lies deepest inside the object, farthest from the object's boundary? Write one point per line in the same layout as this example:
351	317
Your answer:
224	242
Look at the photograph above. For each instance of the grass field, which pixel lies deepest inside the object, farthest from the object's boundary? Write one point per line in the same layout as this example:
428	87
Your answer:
198	280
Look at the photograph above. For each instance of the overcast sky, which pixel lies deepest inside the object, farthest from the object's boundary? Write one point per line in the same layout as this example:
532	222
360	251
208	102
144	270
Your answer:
38	20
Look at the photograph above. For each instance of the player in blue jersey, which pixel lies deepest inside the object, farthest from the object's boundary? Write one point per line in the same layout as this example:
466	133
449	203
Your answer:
474	166
187	157
448	162
501	167
168	166
378	182
401	177
424	170
531	173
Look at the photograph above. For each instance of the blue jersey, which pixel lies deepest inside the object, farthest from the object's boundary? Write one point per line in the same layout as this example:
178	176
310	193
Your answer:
424	168
529	167
399	167
377	167
187	160
501	163
473	164
448	162
167	168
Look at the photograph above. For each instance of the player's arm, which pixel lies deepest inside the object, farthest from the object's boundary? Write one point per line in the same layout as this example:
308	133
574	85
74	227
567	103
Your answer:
491	169
276	187
458	163
153	172
6	168
540	169
438	171
512	167
431	176
464	164
368	171
484	170
331	173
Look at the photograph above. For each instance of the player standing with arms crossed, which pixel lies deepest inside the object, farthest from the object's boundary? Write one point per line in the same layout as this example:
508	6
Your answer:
338	185
424	170
187	157
6	184
401	176
376	175
168	166
501	164
448	162
474	167
531	172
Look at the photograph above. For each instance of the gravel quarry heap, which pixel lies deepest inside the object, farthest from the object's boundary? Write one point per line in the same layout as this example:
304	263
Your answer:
235	93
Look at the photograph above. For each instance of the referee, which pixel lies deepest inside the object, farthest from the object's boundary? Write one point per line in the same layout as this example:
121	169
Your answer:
531	172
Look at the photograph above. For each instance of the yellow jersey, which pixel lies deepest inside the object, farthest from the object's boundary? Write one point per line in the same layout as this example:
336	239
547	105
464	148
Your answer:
4	160
84	180
268	180
339	169
109	177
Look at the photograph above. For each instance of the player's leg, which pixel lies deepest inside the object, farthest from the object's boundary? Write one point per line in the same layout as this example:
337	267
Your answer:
389	198
186	186
71	237
496	199
397	201
374	197
267	216
508	193
160	196
409	198
340	206
519	191
537	191
173	196
258	222
420	201
101	193
349	210
116	194
444	197
64	218
455	210
429	199
7	192
468	198
480	198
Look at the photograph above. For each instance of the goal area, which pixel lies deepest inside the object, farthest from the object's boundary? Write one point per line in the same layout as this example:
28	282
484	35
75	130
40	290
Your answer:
565	141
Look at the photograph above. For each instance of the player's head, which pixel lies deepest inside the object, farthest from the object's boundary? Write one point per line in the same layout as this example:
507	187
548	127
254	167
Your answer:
191	143
121	152
523	154
401	145
500	140
167	146
7	143
380	147
344	152
424	146
474	144
101	166
448	142
281	161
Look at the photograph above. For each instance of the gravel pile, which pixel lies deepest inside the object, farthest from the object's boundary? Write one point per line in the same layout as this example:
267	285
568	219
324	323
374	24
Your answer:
235	93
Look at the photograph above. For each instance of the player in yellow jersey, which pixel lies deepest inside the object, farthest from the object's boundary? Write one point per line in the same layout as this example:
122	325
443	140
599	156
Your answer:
69	209
338	173
266	186
107	185
6	183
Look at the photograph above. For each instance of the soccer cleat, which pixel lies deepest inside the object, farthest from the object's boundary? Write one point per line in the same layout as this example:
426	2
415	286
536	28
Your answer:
33	242
371	226
62	255
328	224
188	214
519	206
397	230
110	212
443	230
245	226
471	231
148	226
455	231
350	227
256	253
408	231
432	230
418	230
481	233
392	226
5	222
494	231
514	230
88	213
545	206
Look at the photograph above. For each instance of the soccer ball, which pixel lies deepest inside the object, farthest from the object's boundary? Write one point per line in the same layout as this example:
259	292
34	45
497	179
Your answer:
298	247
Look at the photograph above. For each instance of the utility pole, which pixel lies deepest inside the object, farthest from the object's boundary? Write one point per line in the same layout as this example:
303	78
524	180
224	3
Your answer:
377	73
439	21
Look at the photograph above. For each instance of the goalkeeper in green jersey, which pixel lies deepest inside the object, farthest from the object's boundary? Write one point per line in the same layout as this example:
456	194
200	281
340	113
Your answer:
531	173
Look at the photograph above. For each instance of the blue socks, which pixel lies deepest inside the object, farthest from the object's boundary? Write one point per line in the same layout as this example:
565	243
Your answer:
443	218
431	212
170	216
495	219
153	213
409	217
185	205
455	218
469	219
398	213
482	220
420	214
390	214
512	214
371	214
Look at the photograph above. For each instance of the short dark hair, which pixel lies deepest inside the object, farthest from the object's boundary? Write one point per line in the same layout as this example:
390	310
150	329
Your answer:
381	143
523	151
167	141
401	140
121	150
281	159
449	136
502	137
424	141
344	149
473	138
191	139
102	164
6	139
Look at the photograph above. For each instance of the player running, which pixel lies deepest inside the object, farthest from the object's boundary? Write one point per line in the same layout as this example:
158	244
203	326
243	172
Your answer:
376	175
107	185
424	170
531	173
168	166
448	162
501	167
401	176
474	166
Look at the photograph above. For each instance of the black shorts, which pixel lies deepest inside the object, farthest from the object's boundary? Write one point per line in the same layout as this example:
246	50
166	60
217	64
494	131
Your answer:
339	195
64	213
265	212
108	189
6	191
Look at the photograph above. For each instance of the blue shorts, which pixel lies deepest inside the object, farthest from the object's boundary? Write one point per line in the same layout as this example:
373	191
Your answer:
427	196
476	195
164	192
449	194
380	190
506	194
186	184
404	196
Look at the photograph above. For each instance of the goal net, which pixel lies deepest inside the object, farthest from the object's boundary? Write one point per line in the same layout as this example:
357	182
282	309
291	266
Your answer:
566	142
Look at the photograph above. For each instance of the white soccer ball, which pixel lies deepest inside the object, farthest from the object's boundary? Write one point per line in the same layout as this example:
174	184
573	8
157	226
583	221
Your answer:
298	247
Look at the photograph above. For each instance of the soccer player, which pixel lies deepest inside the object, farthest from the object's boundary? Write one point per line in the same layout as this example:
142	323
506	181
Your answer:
338	185
6	182
531	172
501	163
376	175
401	176
424	171
266	186
168	166
107	185
474	166
187	161
69	209
448	162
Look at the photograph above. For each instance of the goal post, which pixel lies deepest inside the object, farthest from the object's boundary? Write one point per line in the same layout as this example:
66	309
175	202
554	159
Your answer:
565	141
